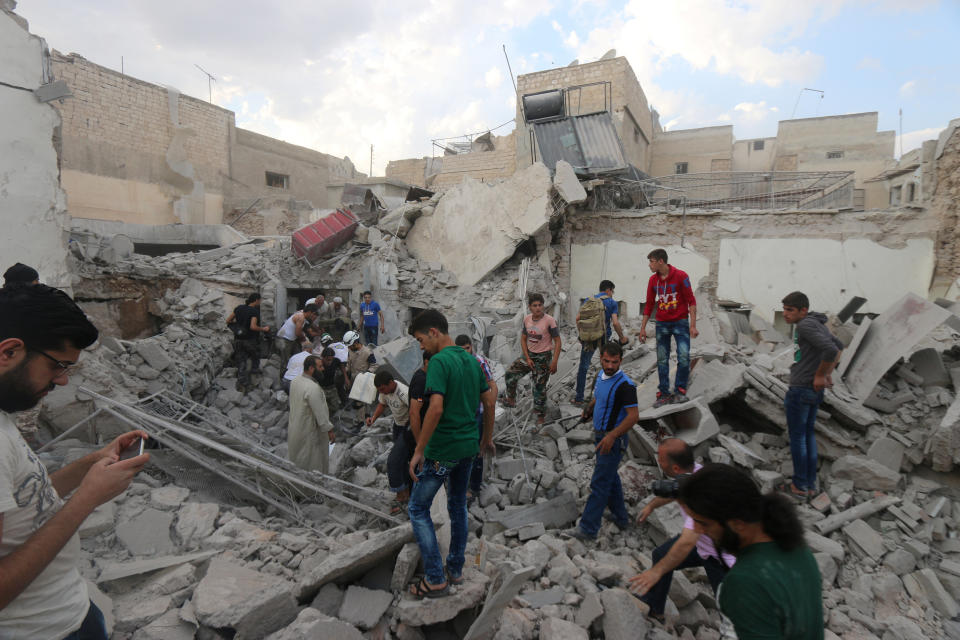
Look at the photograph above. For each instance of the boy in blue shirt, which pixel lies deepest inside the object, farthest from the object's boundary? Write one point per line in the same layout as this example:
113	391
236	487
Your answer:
372	318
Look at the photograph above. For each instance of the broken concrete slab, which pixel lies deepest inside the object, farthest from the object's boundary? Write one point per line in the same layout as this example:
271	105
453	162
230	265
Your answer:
624	617
147	533
253	604
714	380
538	599
887	452
862	510
865	538
154	355
356	561
558	629
169	626
196	521
741	454
512	578
928	364
944	442
312	624
889	338
866	473
363	607
691	421
102	519
477	226
401	357
567	184
418	613
942	601
850	352
405	566
553	514
117	570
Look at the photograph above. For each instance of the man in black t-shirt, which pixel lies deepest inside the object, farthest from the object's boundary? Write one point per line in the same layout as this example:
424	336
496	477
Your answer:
326	375
245	323
419	401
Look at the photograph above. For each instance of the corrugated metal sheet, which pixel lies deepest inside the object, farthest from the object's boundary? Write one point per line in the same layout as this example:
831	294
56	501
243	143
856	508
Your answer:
589	143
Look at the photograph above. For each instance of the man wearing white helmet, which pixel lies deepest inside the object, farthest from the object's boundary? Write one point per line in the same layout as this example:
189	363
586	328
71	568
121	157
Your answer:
360	359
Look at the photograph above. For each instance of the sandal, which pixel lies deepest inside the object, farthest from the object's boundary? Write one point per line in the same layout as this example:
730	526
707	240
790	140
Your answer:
452	580
787	488
397	508
422	590
508	402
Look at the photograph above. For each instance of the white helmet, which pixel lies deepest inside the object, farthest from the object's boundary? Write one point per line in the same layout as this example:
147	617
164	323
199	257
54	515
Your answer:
350	337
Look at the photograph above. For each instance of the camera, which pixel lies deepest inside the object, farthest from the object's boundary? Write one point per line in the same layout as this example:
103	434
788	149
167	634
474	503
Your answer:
669	487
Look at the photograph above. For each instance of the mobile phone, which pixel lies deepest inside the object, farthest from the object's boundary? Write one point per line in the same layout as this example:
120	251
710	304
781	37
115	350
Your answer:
135	449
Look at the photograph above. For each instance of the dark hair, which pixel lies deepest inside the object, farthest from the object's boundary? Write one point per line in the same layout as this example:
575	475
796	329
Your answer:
327	351
321	292
535	297
368	293
721	492
463	340
44	318
310	362
310	308
796	299
658	254
20	274
382	378
429	319
253	297
607	284
680	454
611	349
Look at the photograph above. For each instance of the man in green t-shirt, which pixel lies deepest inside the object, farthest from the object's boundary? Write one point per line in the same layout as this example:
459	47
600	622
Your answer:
446	448
774	589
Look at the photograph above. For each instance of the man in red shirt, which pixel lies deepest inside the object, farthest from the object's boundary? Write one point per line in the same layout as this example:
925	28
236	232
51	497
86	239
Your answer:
669	288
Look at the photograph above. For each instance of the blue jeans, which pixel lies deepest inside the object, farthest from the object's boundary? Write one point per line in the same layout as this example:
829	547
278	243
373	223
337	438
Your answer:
656	597
680	331
801	405
476	473
586	356
371	334
431	477
605	488
93	626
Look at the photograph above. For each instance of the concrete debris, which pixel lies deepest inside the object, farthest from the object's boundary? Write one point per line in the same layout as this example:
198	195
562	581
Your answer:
211	547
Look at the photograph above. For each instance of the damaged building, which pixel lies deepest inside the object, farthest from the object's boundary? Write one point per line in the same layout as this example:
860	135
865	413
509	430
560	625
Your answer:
222	537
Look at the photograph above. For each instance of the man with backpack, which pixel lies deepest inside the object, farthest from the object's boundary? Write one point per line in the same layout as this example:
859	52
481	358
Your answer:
596	320
245	324
670	290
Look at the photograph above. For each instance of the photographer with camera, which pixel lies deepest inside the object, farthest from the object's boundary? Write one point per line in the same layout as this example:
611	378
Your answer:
688	549
774	590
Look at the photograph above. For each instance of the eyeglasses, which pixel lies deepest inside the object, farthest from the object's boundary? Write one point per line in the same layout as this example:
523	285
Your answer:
66	366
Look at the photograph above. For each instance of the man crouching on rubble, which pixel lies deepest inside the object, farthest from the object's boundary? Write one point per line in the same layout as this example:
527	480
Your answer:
42	594
446	447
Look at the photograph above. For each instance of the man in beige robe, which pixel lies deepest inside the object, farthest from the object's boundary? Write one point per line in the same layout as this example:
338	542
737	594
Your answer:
310	431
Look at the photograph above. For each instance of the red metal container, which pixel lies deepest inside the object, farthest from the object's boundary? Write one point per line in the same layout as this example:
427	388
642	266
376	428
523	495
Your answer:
323	236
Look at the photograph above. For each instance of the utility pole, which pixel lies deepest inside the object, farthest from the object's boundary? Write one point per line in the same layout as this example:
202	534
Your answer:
210	81
797	103
901	131
371	161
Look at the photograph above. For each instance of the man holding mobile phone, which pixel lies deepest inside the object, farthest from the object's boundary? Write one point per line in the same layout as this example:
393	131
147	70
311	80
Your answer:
42	332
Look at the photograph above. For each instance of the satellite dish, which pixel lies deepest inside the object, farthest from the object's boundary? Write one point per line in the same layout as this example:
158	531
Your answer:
574	63
609	55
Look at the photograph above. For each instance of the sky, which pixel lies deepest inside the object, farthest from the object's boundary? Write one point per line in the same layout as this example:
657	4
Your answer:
341	76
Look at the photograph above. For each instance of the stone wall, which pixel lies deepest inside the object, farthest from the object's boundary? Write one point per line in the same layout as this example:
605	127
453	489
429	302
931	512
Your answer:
705	149
758	256
31	201
308	171
632	116
946	194
411	170
137	152
479	165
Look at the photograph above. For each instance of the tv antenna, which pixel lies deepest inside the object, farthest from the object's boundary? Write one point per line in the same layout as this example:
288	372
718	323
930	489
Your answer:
210	80
797	103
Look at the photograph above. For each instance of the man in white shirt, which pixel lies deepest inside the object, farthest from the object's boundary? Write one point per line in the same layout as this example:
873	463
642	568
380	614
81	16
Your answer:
396	396
42	595
295	365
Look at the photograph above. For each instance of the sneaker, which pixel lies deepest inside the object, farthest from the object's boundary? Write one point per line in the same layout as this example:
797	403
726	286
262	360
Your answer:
662	399
680	396
578	534
579	403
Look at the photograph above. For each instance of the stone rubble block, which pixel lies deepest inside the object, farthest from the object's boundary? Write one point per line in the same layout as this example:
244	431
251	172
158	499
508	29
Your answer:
418	613
250	603
866	473
363	607
170	497
624	617
147	534
557	629
313	625
942	601
169	626
865	538
101	520
153	354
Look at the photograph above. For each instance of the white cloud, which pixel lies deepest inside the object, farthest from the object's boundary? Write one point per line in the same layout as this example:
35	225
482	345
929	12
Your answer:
907	89
556	26
377	74
913	139
493	78
753	110
572	40
873	64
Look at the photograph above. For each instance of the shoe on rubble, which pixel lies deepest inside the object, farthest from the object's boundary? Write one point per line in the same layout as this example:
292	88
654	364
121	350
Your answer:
680	396
662	399
578	534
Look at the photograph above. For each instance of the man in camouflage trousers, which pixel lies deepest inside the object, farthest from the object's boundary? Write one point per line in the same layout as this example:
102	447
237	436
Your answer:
540	342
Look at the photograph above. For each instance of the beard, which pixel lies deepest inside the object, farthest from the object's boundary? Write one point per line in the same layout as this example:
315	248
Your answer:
16	393
729	541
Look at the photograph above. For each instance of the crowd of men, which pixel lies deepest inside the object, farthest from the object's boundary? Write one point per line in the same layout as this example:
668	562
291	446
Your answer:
750	545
